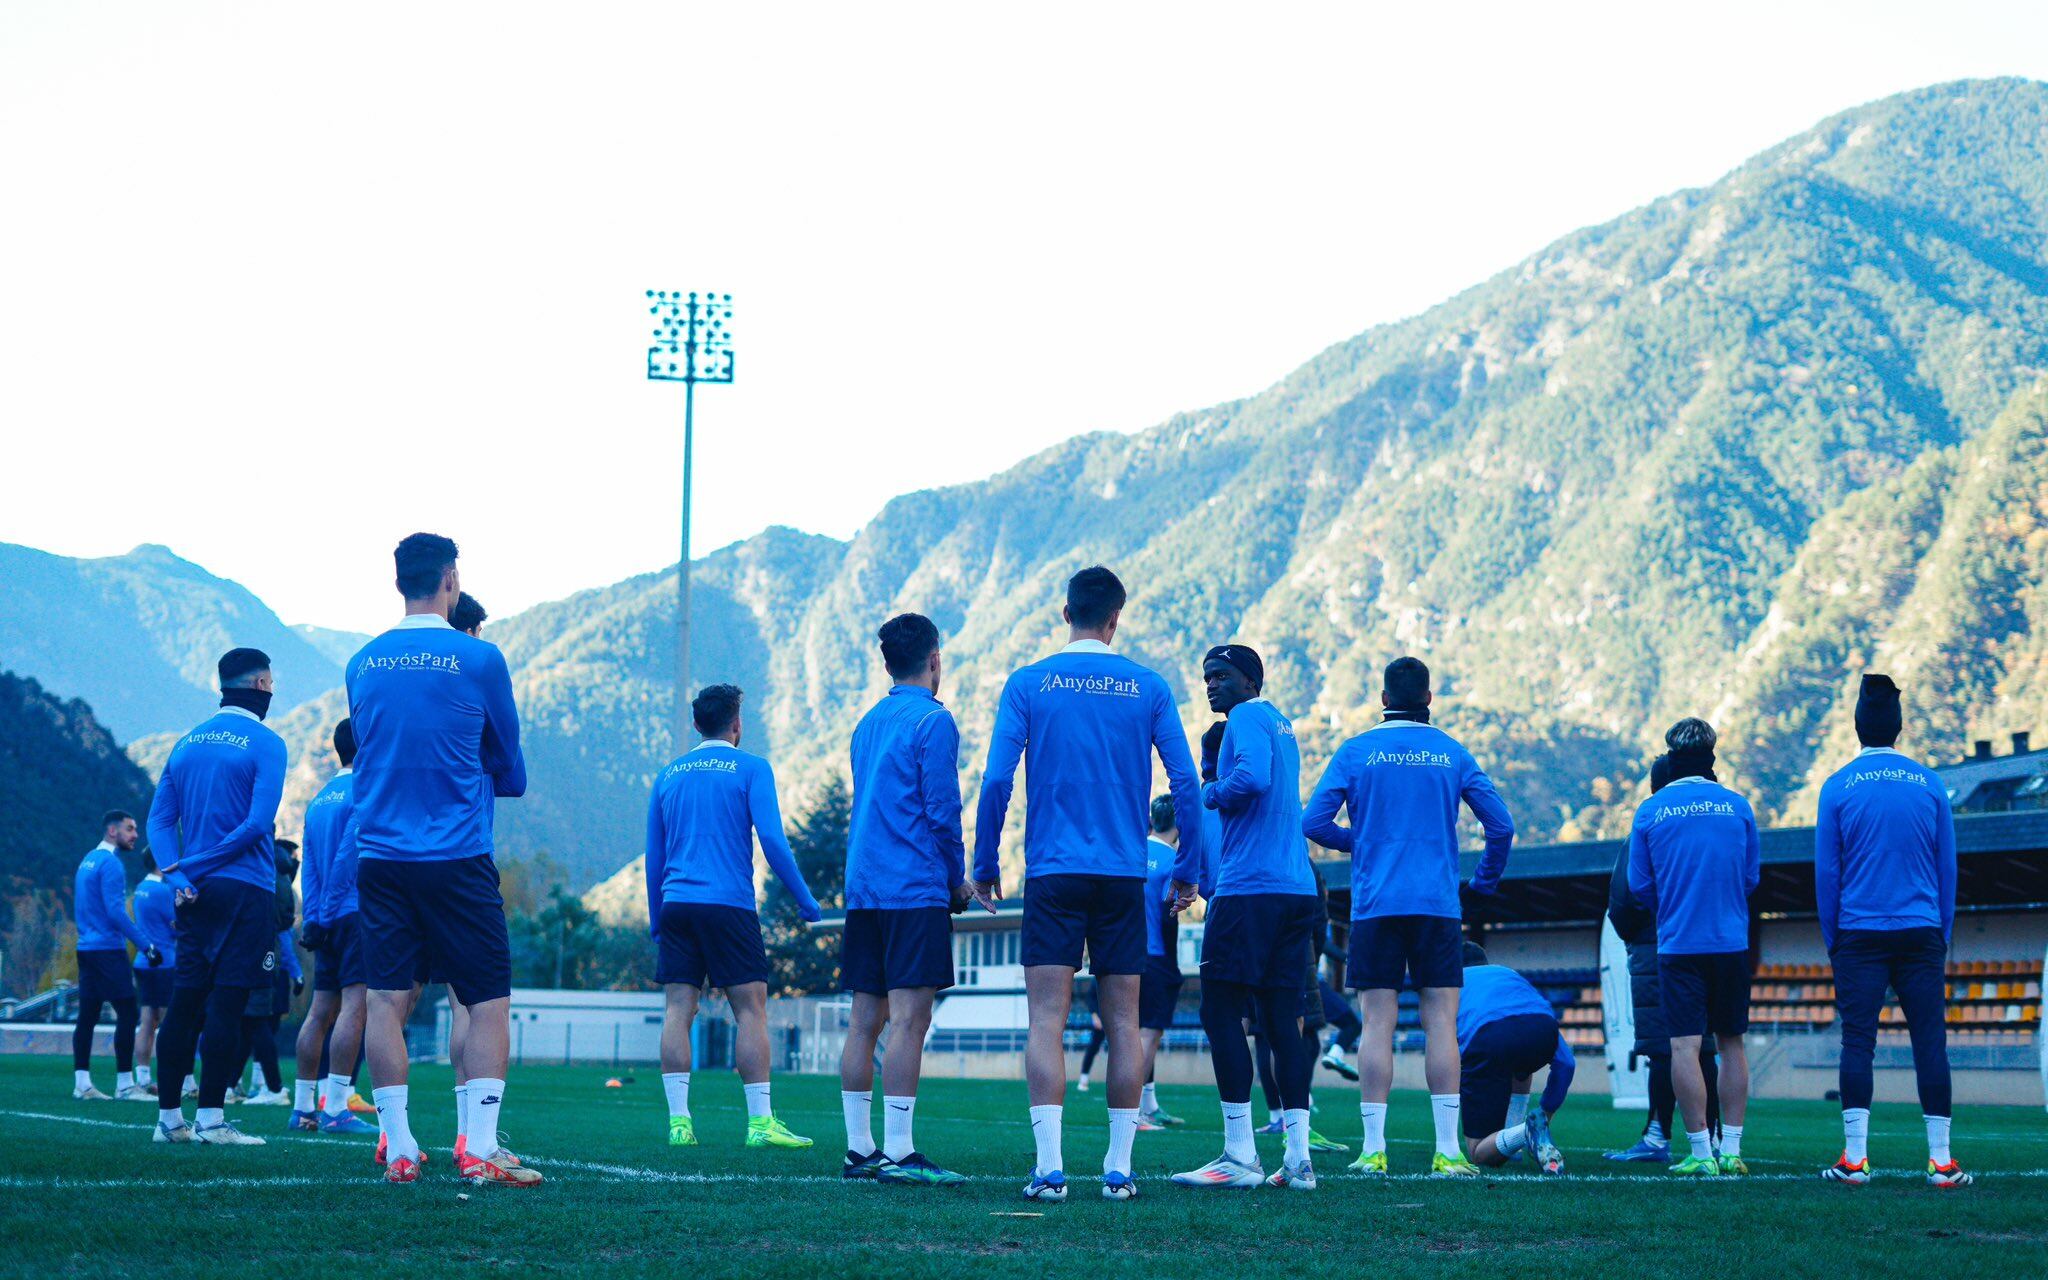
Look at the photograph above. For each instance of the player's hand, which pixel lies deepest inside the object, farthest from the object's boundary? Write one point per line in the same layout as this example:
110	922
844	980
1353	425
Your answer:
1184	894
1212	747
298	987
986	892
185	897
154	956
808	909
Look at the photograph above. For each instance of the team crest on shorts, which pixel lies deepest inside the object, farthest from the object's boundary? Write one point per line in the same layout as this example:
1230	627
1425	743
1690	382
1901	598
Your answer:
269	961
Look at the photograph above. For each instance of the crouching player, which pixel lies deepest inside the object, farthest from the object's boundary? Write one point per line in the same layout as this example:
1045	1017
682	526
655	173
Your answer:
1507	1032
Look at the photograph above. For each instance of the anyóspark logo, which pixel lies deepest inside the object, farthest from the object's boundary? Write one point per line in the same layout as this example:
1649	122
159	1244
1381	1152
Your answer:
1106	686
704	764
1410	759
410	662
1890	773
216	738
1697	809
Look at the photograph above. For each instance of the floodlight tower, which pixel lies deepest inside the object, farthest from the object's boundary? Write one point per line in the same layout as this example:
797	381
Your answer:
692	344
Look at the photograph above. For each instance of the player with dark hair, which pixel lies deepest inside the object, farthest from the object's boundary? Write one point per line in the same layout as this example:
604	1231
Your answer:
1259	944
437	737
1694	859
332	1033
1085	723
708	807
906	873
211	826
1884	872
99	902
1401	783
268	1004
156	915
1507	1032
1159	986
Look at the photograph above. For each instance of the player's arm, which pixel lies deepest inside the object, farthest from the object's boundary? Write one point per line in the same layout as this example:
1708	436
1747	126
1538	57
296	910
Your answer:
936	750
767	817
1642	877
1250	753
1170	742
289	954
1945	862
998	779
656	859
1752	852
502	758
1563	1066
1827	867
1319	816
1476	790
113	889
162	825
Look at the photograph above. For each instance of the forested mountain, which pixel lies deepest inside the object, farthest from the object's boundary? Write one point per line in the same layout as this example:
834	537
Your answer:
137	636
59	771
1715	456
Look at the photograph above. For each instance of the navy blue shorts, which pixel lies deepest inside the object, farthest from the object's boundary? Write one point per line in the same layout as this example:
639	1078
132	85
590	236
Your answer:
1065	914
704	944
339	962
1705	994
226	934
1261	939
888	949
105	975
153	987
1158	992
1412	951
1501	1052
448	913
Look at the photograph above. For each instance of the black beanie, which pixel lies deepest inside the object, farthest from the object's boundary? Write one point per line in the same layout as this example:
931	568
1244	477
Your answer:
1878	718
1244	658
236	663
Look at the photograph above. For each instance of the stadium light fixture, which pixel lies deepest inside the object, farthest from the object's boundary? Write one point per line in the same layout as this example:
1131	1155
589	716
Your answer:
692	344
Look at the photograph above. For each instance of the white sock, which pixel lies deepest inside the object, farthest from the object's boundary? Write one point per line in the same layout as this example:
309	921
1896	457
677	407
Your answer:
1518	1109
1655	1134
1512	1139
336	1101
757	1101
302	1095
1123	1129
1045	1132
1237	1132
1373	1115
1443	1109
1148	1101
123	1080
170	1117
676	1085
858	1106
1702	1144
1937	1140
81	1079
897	1113
1294	1121
1855	1134
462	1113
142	1075
1731	1139
398	1139
207	1117
485	1097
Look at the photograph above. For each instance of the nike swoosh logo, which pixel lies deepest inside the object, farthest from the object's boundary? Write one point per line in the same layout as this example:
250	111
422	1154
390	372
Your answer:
894	1107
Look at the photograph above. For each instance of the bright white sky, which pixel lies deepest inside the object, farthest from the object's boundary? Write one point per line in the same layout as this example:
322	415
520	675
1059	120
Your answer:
379	266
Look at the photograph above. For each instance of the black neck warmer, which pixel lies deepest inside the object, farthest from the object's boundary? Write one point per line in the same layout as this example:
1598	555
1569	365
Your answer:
1420	715
254	701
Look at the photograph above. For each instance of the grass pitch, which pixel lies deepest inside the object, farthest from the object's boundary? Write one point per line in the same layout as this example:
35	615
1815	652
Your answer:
84	1192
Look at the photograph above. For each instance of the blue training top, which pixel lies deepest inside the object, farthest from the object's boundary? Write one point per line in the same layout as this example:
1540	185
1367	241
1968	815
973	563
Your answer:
1085	722
1257	792
99	902
1493	992
707	807
1400	784
327	871
1694	859
437	736
1884	847
215	809
903	844
156	914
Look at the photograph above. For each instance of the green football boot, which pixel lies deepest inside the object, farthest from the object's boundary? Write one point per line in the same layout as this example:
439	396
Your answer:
1697	1167
1370	1162
1443	1166
681	1132
1317	1142
767	1131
